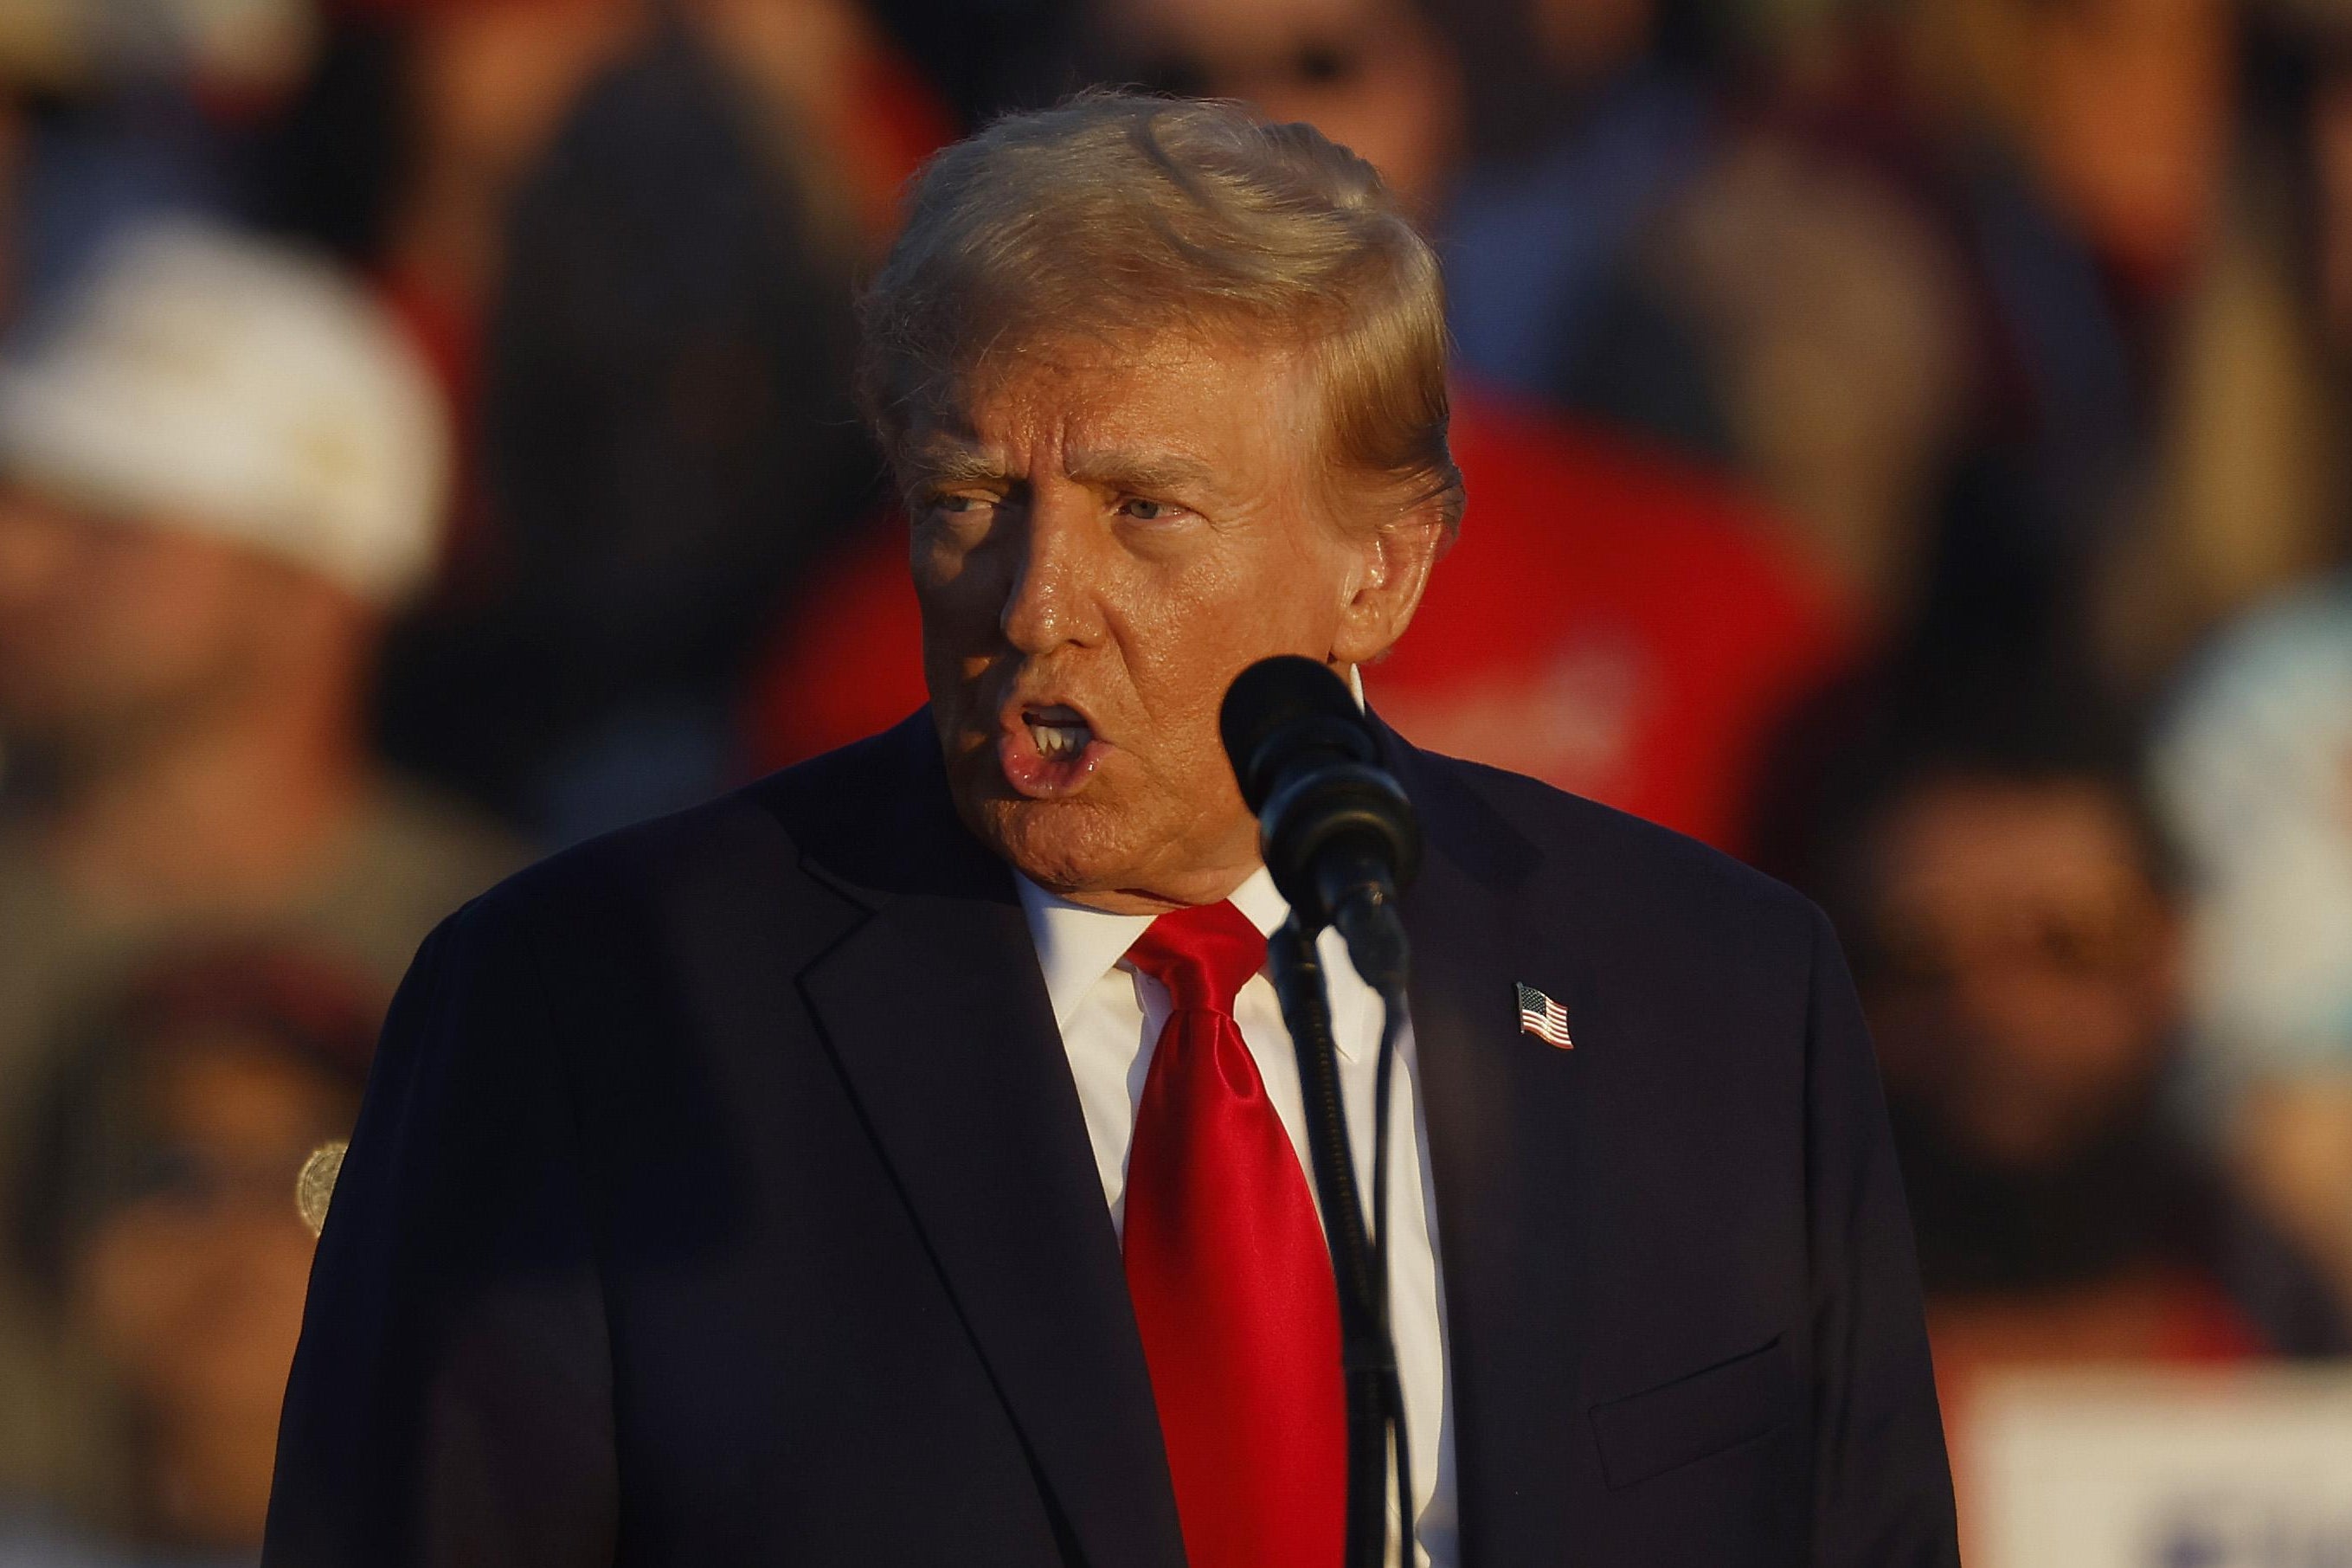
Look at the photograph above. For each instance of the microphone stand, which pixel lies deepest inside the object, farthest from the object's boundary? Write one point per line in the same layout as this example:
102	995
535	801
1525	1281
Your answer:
1359	1260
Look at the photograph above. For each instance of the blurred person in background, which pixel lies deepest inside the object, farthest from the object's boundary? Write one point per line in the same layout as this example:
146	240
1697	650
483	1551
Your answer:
661	403
2004	301
158	1221
2015	923
220	467
1791	321
2253	758
985	57
123	106
2154	414
1612	106
422	119
2253	769
1613	622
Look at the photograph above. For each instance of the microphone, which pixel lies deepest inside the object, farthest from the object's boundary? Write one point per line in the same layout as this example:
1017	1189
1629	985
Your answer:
1335	830
1340	838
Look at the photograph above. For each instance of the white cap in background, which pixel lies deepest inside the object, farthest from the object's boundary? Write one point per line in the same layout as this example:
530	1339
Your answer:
199	378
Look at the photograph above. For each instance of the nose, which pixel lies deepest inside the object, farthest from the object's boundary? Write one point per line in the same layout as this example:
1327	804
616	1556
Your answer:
1054	600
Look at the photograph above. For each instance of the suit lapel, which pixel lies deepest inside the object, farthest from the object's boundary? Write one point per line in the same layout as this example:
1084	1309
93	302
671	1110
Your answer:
1505	1113
937	1013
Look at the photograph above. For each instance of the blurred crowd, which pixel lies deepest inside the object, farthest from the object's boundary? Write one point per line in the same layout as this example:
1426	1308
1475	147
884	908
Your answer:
1906	444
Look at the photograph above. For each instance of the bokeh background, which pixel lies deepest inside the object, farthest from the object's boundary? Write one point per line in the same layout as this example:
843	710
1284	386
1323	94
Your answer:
1905	442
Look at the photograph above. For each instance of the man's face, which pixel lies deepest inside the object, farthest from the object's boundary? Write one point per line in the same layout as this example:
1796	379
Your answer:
191	1285
1104	535
2022	982
110	627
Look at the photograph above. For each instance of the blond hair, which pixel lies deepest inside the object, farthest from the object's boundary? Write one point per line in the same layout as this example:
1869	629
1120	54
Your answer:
1115	213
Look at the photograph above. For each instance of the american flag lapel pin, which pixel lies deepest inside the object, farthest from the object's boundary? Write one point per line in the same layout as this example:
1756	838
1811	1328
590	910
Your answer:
1544	1018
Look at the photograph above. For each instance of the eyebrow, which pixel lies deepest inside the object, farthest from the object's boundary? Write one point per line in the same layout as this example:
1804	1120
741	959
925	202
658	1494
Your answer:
1114	468
952	463
948	463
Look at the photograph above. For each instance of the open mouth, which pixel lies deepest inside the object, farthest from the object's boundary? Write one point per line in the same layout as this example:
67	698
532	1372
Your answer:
1058	733
1048	751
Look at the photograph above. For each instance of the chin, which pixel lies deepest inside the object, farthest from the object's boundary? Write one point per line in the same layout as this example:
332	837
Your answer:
1064	846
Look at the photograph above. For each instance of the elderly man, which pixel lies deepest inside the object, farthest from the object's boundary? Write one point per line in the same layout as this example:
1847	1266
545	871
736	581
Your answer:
808	1177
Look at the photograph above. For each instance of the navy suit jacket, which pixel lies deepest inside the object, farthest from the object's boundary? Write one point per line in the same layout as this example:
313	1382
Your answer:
722	1197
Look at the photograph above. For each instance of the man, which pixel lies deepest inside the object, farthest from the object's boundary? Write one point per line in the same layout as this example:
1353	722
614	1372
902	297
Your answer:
2017	937
666	429
155	1231
1675	626
219	467
896	1161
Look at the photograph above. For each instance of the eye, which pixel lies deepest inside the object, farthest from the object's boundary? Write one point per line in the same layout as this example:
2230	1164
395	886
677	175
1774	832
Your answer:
1144	511
958	505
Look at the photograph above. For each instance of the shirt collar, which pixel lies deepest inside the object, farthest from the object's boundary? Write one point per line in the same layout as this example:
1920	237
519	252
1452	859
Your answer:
1077	946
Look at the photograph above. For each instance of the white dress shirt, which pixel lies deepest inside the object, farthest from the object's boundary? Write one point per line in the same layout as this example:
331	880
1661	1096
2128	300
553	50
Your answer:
1110	1018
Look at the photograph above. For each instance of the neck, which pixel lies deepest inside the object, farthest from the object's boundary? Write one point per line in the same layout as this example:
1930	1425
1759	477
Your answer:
233	813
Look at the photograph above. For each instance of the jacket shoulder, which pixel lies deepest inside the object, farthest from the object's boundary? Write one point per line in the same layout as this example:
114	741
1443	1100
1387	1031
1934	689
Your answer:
1631	871
754	842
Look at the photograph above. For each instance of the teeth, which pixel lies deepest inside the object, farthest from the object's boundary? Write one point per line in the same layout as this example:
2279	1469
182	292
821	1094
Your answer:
1056	743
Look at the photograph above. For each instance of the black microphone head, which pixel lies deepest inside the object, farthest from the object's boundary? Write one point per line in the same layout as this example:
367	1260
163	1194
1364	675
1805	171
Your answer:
1280	707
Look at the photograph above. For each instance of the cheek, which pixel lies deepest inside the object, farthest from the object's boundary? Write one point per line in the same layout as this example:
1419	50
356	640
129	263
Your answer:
959	598
1177	632
1276	592
2094	1032
158	614
961	582
176	1308
130	1282
240	1351
936	556
1185	635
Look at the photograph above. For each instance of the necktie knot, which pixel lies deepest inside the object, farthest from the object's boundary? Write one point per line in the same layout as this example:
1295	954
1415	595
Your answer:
1203	954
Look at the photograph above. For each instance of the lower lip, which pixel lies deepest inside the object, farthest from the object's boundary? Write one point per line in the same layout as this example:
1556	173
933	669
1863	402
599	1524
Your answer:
1036	776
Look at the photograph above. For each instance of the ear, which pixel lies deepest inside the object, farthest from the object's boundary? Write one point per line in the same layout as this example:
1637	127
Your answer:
1391	573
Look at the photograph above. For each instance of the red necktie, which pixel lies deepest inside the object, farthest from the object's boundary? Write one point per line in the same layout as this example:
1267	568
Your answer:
1230	1275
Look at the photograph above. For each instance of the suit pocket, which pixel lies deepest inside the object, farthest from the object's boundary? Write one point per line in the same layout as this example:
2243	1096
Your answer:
1650	1433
